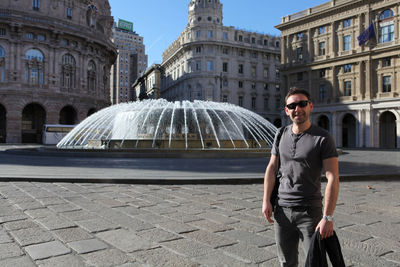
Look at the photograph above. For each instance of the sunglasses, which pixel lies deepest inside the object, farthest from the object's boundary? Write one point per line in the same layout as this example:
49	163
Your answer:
301	104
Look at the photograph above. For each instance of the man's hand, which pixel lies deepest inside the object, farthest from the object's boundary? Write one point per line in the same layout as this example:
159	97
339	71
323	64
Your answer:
325	228
267	211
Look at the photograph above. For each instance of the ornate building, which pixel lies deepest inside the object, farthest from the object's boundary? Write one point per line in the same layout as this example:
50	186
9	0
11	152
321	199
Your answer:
355	86
55	59
210	61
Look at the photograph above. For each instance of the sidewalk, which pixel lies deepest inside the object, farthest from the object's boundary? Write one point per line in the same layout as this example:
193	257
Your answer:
187	223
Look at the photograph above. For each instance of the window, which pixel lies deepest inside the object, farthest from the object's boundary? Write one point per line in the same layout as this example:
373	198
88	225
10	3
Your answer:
198	34
34	67
299	53
387	84
240	84
265	86
299	36
347	68
224	98
346	23
253	40
2	64
322	92
265	104
225	66
198	49
69	13
35	4
253	102
347	88
321	48
254	54
240	38
322	73
321	30
277	74
347	43
253	85
386	26
30	36
386	62
225	51
41	37
253	71
277	87
266	42
265	72
241	52
2	31
240	101
210	66
198	65
299	76
91	76
210	34
225	35
240	68
277	44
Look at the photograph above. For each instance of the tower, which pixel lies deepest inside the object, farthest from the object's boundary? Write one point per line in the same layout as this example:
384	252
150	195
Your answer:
203	12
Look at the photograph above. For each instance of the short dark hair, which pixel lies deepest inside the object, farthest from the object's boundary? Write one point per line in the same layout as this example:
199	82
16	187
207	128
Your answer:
297	91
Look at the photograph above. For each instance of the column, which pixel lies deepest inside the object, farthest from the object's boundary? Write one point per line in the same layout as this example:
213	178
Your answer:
333	41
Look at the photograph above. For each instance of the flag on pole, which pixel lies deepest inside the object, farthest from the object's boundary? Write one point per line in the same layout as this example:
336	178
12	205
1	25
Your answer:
367	34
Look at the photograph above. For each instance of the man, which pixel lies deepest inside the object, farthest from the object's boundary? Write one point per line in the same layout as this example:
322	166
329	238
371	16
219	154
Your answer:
303	151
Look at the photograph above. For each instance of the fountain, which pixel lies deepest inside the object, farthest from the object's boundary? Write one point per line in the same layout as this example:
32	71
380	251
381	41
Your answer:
182	125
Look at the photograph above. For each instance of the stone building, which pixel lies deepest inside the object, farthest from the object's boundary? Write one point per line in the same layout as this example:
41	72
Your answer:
148	85
355	87
55	59
131	61
209	61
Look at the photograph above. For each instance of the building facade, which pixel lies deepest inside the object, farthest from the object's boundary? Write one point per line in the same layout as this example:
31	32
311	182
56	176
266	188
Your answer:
209	61
148	85
55	59
355	86
131	61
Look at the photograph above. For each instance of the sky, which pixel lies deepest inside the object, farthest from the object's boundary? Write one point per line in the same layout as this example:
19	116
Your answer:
160	22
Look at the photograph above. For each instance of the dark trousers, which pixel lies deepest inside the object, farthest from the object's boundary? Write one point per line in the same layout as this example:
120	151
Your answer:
291	225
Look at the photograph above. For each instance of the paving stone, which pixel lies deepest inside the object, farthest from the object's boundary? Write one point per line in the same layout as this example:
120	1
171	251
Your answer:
214	216
29	205
46	250
62	261
188	248
4	237
64	207
248	253
8	210
158	235
30	236
111	203
55	222
10	250
17	225
88	245
218	259
106	258
72	234
211	239
40	213
210	226
248	238
11	218
97	225
176	227
246	226
23	261
129	210
183	217
126	240
79	215
393	256
163	257
48	201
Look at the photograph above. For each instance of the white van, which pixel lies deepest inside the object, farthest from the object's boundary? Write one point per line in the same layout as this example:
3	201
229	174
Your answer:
53	133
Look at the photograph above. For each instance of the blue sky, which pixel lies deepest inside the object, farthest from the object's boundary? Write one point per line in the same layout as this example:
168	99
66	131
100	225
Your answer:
160	22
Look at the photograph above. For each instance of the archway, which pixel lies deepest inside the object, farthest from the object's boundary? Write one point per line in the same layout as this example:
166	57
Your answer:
33	119
323	122
348	131
3	124
91	111
387	130
68	115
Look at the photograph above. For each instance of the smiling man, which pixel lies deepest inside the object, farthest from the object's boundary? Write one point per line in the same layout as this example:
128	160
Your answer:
301	153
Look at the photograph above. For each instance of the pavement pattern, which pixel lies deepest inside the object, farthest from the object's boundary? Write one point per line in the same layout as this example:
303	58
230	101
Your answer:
57	223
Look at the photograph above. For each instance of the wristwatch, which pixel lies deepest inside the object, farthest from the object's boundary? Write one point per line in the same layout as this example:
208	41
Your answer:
328	218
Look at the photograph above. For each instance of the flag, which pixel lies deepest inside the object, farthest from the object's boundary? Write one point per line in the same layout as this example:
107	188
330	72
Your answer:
367	34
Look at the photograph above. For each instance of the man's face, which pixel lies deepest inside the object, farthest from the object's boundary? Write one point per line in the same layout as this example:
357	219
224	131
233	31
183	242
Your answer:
298	115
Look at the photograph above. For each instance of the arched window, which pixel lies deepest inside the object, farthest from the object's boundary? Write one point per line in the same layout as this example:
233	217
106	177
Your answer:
68	71
91	76
386	26
91	15
2	64
34	67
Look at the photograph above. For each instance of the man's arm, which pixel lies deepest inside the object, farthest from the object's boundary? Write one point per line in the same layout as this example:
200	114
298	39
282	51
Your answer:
331	167
269	182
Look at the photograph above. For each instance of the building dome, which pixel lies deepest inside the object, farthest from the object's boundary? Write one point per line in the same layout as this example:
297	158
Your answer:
205	12
55	59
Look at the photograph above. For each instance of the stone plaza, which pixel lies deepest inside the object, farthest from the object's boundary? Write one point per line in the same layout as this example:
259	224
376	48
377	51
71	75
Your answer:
179	212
